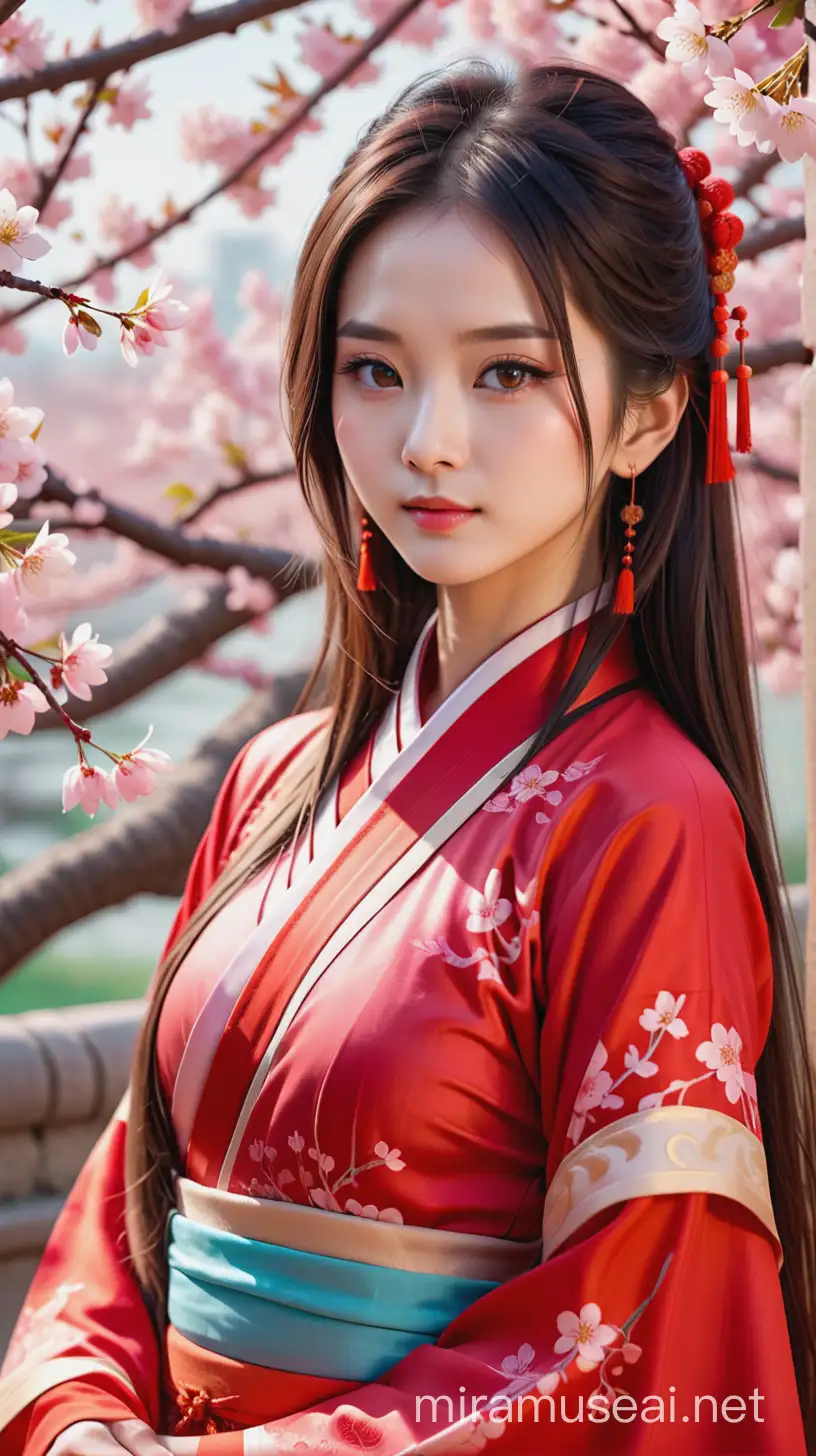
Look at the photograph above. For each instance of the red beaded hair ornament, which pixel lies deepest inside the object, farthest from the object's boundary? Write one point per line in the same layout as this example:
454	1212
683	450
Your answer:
722	231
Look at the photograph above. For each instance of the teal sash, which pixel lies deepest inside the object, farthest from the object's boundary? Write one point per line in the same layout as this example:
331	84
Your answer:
308	1313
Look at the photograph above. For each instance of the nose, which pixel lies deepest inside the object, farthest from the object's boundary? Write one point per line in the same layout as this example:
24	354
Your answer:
438	433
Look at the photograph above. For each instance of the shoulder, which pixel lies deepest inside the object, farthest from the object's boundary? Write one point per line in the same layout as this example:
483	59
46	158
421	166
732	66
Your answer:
656	782
268	752
257	768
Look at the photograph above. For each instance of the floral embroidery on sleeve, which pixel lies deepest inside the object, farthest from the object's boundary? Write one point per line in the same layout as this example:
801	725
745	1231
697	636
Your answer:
721	1055
585	1341
534	782
42	1331
488	911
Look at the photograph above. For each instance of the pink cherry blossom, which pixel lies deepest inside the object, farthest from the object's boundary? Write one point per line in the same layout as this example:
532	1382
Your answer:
161	14
488	910
75	334
665	1015
31	471
722	1054
46	560
584	1335
81	665
24	43
120	224
137	340
390	1156
18	241
160	311
698	54
532	782
135	774
13	620
248	593
19	701
88	787
789	129
326	52
593	1092
8	497
634	1062
739	106
16	423
130	103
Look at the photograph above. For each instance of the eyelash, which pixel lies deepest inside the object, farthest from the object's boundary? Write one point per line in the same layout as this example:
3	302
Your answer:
532	371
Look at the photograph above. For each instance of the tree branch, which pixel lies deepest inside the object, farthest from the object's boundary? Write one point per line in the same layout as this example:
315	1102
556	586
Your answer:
770	356
274	138
9	8
156	650
50	180
220	492
277	567
764	466
223	19
145	849
637	32
754	172
777	232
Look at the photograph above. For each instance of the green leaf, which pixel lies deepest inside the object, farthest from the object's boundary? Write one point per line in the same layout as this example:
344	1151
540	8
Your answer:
141	300
89	322
234	455
17	538
789	11
17	670
183	496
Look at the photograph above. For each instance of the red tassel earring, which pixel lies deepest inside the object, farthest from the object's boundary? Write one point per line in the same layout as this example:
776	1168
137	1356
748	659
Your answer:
744	372
632	515
366	580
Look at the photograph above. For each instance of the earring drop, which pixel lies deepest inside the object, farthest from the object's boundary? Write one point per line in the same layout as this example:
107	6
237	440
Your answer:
632	515
366	580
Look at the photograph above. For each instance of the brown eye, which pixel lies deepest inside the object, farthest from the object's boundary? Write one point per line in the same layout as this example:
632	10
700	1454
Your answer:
510	376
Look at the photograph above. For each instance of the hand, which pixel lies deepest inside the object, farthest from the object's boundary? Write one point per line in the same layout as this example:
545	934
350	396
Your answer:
92	1438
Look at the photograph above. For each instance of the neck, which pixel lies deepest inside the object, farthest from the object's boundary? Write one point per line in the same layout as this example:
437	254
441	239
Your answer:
476	618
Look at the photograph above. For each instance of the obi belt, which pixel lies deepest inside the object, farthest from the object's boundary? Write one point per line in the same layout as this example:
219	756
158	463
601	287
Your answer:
320	1293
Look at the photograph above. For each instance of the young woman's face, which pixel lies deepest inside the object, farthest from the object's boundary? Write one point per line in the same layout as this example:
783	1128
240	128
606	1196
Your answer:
449	392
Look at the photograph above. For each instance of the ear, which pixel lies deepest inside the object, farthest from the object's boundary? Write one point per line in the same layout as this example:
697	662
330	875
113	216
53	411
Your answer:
650	427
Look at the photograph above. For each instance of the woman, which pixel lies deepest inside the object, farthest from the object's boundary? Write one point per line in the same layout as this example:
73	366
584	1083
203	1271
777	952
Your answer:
479	1005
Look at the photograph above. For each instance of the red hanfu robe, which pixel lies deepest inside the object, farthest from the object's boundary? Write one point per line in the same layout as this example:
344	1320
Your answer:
500	1001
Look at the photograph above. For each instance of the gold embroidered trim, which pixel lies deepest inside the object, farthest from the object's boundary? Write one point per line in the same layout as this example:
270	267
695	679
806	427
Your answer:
26	1384
662	1150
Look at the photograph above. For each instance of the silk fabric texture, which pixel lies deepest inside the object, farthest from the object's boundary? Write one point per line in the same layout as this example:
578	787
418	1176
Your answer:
482	1000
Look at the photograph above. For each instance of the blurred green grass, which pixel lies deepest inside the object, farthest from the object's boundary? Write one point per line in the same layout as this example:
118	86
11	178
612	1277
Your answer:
49	979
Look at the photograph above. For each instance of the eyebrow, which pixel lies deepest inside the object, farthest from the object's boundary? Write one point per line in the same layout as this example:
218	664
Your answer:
359	329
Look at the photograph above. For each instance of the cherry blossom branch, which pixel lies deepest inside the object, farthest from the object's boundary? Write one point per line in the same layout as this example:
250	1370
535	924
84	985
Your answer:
776	232
771	356
50	180
170	542
9	648
158	649
196	26
9	8
145	849
30	285
273	139
637	31
220	492
764	466
754	172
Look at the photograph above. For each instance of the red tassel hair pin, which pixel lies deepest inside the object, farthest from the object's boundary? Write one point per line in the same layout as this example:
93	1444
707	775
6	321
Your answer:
722	231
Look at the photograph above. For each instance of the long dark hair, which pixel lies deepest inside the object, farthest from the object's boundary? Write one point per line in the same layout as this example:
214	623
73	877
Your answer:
585	183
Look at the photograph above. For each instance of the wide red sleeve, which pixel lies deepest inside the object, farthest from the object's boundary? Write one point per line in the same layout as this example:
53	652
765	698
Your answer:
655	1321
84	1347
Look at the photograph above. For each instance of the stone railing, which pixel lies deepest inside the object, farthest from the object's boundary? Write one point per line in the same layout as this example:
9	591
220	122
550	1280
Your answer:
61	1076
